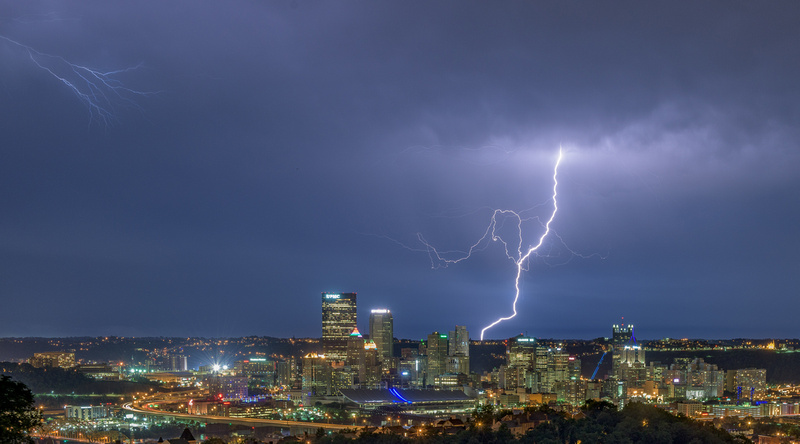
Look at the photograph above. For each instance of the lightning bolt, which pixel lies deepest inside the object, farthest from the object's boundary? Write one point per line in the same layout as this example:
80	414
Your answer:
98	90
519	257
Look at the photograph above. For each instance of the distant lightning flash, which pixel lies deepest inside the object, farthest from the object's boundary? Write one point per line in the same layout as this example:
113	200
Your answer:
98	90
520	258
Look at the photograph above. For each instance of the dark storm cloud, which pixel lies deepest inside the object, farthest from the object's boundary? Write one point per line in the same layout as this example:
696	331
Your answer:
289	141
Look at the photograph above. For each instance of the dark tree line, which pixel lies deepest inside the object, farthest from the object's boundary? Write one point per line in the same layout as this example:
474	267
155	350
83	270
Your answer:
59	380
602	423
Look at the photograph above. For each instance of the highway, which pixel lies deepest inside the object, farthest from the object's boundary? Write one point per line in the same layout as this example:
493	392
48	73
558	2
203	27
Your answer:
254	422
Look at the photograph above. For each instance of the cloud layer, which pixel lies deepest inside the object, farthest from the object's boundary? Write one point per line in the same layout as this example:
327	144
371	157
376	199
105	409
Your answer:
292	145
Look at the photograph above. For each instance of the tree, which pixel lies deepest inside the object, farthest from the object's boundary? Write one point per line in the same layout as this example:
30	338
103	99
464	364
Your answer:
18	415
483	415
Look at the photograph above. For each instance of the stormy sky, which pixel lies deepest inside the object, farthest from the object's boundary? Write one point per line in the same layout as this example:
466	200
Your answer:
226	162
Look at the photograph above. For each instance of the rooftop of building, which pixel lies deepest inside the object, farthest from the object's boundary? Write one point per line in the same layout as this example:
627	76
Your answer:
399	396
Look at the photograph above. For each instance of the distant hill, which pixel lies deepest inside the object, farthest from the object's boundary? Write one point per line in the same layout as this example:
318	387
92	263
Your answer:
67	381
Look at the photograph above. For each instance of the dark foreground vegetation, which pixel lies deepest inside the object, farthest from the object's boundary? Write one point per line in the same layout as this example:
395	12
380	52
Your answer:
17	412
599	423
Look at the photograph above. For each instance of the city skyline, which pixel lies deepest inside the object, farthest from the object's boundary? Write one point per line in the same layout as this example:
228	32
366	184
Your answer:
209	170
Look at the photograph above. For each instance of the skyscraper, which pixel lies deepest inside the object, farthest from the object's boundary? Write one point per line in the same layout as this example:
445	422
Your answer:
381	331
621	335
437	355
521	352
355	348
316	374
459	341
338	321
458	351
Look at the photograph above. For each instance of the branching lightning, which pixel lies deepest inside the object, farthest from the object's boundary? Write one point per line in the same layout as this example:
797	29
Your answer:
516	253
100	91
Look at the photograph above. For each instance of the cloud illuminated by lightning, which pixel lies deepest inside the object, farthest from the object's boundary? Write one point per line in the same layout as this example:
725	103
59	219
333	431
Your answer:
520	256
100	91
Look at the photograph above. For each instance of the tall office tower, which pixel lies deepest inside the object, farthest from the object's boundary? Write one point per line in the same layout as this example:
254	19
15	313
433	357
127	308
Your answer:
557	369
437	355
369	369
288	373
629	363
355	348
459	341
338	321
458	351
521	352
519	370
381	331
316	374
621	335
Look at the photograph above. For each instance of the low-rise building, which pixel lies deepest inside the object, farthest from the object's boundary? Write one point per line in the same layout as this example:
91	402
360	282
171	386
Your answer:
87	413
227	387
519	424
429	402
53	359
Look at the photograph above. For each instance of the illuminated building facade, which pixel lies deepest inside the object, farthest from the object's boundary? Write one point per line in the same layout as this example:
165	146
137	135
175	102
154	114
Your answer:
355	348
369	367
227	387
287	373
99	371
381	331
53	359
88	413
535	368
436	350
338	321
520	361
628	361
254	366
553	366
747	383
178	363
621	335
412	371
317	374
362	363
437	403
458	351
521	351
